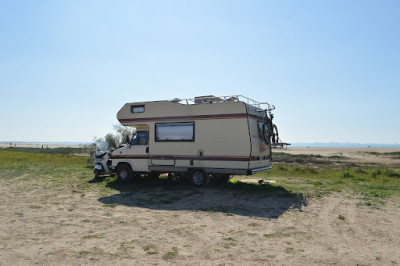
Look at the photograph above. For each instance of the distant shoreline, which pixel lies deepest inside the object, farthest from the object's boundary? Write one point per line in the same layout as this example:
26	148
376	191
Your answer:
22	143
345	145
43	145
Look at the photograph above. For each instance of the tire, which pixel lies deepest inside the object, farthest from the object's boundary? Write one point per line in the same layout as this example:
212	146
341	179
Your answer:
199	178
96	174
125	173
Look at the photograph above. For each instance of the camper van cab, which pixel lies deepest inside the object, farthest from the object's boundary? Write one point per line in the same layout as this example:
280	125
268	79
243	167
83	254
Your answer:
201	138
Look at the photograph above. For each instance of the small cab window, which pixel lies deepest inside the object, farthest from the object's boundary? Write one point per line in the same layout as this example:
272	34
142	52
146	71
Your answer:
140	138
175	131
137	109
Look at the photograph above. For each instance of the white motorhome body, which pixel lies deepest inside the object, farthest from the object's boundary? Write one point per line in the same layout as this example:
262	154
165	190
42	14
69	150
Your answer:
214	135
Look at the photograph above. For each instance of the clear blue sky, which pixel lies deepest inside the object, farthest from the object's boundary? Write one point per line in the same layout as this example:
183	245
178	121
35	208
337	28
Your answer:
331	68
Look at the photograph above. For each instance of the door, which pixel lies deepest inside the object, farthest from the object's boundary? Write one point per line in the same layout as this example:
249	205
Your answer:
139	151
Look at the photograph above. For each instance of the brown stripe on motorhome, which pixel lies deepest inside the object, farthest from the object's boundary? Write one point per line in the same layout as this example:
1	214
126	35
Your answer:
188	157
130	156
191	117
203	158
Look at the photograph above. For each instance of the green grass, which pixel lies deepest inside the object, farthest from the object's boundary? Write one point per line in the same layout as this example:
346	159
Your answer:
61	150
285	232
281	157
393	155
95	236
47	173
19	160
380	182
315	161
171	254
60	172
84	252
150	250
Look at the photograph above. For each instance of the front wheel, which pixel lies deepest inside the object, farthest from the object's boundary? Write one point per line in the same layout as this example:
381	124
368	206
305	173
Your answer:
96	174
125	173
200	178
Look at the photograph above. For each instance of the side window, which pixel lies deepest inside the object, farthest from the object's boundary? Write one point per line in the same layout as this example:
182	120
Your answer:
140	138
137	109
175	131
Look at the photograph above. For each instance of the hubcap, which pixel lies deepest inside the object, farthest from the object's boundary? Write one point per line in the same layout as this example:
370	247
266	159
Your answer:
123	174
198	178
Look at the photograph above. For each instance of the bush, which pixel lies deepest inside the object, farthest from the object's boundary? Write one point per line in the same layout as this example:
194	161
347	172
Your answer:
385	172
113	139
117	138
347	175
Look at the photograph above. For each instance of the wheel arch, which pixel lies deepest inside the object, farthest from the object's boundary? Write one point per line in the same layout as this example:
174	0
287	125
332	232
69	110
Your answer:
124	162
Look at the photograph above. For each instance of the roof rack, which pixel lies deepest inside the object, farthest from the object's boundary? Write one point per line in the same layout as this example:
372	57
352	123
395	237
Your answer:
224	99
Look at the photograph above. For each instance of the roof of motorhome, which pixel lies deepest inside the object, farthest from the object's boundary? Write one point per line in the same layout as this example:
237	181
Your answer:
198	108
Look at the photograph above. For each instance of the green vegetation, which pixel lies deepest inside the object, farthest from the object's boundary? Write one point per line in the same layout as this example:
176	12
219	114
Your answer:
385	181
314	160
126	246
296	176
171	254
87	151
61	150
115	139
25	161
84	252
284	232
95	236
52	172
281	157
393	155
150	250
229	242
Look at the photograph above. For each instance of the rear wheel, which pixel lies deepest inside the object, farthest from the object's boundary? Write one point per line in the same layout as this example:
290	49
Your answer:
200	178
125	173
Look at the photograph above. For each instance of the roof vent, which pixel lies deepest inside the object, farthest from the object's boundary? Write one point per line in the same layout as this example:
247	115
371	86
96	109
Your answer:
176	100
207	99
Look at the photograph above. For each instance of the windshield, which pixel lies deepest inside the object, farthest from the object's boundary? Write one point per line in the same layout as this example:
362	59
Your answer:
102	147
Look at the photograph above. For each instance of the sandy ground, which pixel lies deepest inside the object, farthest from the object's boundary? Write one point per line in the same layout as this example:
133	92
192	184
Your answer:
122	229
336	151
50	224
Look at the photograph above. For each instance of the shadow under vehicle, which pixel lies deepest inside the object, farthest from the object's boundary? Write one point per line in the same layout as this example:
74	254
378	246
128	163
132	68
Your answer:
236	197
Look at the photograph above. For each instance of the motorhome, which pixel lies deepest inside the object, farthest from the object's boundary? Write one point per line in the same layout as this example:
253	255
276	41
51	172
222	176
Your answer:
200	138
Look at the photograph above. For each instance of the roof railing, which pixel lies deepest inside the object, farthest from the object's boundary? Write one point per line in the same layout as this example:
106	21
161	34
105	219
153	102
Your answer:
223	99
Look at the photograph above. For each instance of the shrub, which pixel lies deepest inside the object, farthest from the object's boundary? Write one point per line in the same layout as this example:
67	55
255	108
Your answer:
347	175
